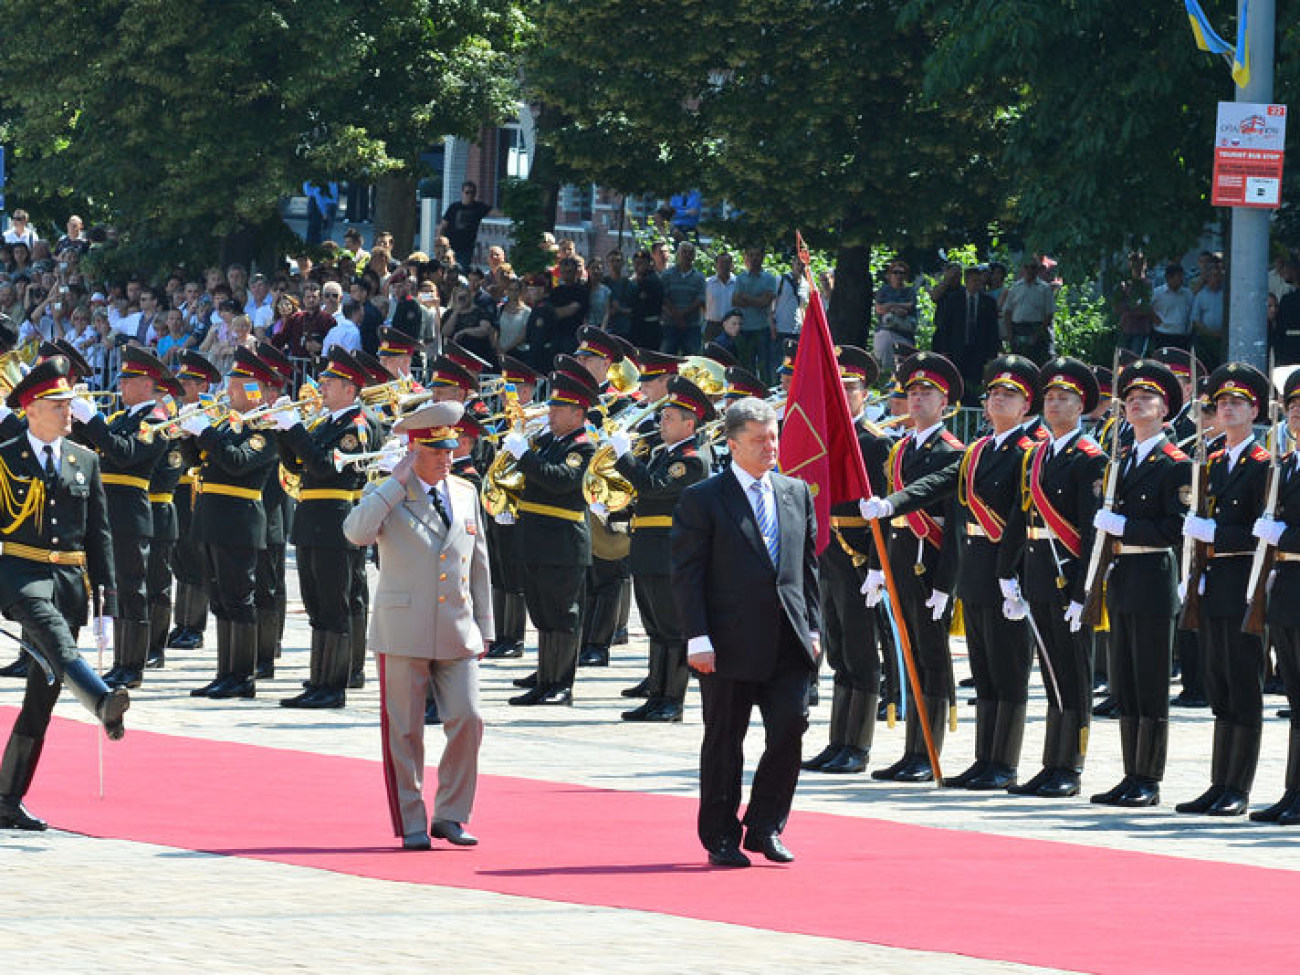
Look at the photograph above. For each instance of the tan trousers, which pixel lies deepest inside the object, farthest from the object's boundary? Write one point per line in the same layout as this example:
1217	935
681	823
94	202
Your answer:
455	687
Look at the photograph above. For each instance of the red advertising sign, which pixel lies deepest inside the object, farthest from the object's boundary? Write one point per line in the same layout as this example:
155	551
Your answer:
1248	152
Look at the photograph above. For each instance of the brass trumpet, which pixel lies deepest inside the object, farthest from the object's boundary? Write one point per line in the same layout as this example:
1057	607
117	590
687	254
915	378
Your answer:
308	404
381	393
342	460
217	408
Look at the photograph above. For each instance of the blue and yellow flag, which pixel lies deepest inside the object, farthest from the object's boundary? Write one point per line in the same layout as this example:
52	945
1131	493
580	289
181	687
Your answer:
1208	40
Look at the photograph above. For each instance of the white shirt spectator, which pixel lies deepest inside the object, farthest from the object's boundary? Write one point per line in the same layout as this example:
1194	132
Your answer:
1173	310
717	297
791	300
345	334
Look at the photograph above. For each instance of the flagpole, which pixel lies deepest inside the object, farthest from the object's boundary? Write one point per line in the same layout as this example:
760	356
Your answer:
894	603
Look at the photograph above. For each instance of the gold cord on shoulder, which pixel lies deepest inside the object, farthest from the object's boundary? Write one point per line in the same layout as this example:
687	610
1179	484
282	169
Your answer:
15	511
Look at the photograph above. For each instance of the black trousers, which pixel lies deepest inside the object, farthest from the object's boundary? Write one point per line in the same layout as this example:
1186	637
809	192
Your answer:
1070	656
45	622
506	565
159	575
728	705
359	596
232	572
1141	652
325	579
1000	654
131	568
1233	671
1286	640
654	600
270	590
553	594
603	590
929	648
849	636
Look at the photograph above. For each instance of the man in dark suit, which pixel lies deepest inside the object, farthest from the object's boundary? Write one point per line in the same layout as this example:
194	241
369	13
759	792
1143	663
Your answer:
966	331
744	568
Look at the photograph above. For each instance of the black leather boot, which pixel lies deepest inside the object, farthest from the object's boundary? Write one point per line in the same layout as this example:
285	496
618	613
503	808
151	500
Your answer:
1292	793
1128	737
357	675
313	682
16	770
1008	736
1219	758
268	641
336	663
133	653
160	618
859	729
652	686
1051	745
1149	764
223	660
243	659
1066	764
841	695
986	719
542	678
1242	761
105	703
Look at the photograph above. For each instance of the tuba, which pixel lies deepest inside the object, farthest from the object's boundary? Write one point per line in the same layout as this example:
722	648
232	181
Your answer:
503	483
709	374
602	483
10	372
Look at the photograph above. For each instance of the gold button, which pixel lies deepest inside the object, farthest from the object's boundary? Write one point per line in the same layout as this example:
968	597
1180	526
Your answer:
442	557
443	577
442	599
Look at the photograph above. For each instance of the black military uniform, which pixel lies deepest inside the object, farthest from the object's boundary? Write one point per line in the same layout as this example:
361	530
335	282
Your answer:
327	561
922	469
1047	543
166	530
556	545
849	633
191	605
1141	591
271	594
1236	480
128	460
659	483
230	525
57	547
988	492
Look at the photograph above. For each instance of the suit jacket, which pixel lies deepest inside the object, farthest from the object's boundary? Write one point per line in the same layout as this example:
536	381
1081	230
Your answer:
724	582
968	353
434	598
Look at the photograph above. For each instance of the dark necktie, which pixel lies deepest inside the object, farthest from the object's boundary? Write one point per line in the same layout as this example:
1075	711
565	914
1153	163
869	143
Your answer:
50	471
436	497
970	319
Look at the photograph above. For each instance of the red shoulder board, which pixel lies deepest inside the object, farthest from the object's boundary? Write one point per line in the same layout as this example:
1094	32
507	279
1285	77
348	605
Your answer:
1025	442
159	413
1217	454
951	440
1042	434
359	420
1175	453
689	452
1089	447
580	438
1258	453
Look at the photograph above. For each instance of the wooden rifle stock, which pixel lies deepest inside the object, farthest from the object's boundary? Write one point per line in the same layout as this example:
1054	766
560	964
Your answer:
1265	554
1195	553
1261	565
1104	549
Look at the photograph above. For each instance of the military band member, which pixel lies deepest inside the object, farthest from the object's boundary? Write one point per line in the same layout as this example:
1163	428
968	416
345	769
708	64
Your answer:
397	351
229	520
327	561
1236	480
57	549
1282	532
197	376
162	493
128	460
1141	592
271	596
553	535
848	626
671	467
922	471
1046	544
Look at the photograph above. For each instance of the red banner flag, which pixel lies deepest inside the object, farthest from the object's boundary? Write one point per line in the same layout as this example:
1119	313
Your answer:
818	441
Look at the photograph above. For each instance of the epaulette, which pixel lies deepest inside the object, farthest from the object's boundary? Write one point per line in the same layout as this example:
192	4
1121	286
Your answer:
581	438
1040	433
1173	452
690	451
1025	441
114	416
1258	453
1089	447
1217	455
948	437
159	413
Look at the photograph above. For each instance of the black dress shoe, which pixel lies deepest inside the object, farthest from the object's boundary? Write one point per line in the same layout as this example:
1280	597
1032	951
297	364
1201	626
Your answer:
1060	784
127	677
726	855
1141	792
768	844
1290	816
887	773
637	690
324	698
1274	685
357	681
1189	699
526	682
620	638
531	697
240	687
822	757
995	777
416	841
640	713
1231	802
962	780
1029	788
155	661
665	712
453	833
264	671
431	715
1284	713
206	689
850	761
14	816
1107	707
557	695
966	682
16	668
1108	797
187	639
1201	803
916	770
1271	813
593	656
504	651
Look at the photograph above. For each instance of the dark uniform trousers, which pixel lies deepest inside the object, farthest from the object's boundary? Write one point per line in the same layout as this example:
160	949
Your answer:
1142	601
191	604
162	494
1284	613
508	608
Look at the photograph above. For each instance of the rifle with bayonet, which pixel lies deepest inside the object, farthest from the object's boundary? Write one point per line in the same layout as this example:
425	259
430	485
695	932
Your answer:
1195	554
1261	565
1104	545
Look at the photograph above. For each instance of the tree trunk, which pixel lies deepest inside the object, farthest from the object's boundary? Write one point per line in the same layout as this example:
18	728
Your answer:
850	314
396	210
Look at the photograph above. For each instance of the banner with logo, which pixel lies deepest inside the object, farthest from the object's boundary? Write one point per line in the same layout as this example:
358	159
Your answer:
1248	148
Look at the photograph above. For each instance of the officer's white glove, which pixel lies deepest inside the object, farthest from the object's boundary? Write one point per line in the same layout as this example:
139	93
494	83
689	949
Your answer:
82	409
1109	522
505	518
621	442
1268	530
1201	529
937	604
1010	588
285	419
1014	606
4	411
874	508
516	444
104	631
600	510
196	424
1074	616
874	587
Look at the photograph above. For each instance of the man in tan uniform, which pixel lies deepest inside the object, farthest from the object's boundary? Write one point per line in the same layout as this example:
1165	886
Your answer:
431	617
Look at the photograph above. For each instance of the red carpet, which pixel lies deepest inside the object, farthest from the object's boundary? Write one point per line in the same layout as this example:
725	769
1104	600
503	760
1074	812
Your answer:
1051	904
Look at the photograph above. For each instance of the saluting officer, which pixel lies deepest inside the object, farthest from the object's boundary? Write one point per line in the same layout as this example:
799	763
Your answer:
57	548
162	493
1151	498
326	559
922	476
1236	481
848	626
229	522
128	460
673	466
1046	543
553	535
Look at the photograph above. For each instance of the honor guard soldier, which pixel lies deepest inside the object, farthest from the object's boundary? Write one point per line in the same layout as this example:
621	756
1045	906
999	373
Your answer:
599	351
922	476
1182	425
674	465
1282	533
229	520
506	562
128	460
166	530
57	551
327	561
197	376
1150	501
1236	481
553	535
1046	544
988	491
271	596
848	627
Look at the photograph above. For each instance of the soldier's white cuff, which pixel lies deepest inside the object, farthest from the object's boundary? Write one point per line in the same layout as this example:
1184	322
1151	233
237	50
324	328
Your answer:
699	644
